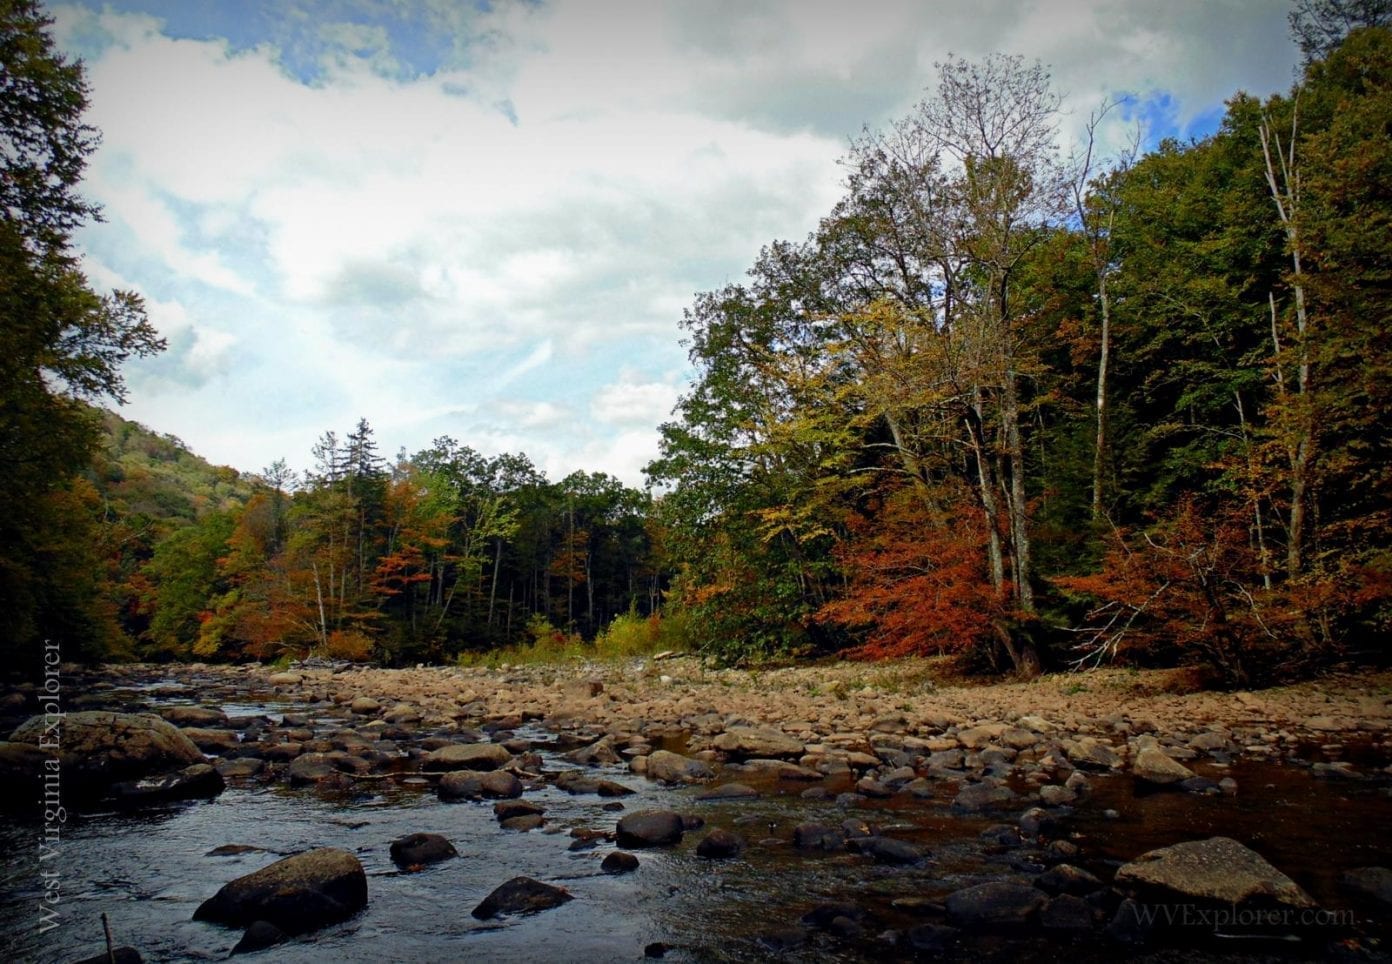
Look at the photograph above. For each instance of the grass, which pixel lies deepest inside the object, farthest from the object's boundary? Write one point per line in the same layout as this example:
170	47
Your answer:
629	636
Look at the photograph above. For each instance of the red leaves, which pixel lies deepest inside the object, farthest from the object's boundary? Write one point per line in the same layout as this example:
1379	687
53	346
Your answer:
918	578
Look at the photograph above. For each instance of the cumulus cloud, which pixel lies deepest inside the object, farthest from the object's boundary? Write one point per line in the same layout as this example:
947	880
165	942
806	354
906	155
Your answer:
485	220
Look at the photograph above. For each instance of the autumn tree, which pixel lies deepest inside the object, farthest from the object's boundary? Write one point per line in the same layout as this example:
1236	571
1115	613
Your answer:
60	342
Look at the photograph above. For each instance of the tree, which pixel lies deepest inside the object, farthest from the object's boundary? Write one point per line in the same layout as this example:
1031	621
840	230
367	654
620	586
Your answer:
1319	26
60	342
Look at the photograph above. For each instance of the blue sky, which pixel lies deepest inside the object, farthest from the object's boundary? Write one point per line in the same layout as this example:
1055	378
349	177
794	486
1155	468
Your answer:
485	219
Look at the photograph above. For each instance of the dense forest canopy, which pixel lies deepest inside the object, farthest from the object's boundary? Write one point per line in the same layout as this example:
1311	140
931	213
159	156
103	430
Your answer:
1034	407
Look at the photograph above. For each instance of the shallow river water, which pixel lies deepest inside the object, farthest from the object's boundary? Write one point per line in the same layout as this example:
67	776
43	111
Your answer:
149	871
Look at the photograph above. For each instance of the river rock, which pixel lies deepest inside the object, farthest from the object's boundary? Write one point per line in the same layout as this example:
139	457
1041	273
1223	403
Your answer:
297	894
887	850
459	785
816	836
650	828
284	679
999	903
1067	879
728	791
1374	882
192	716
97	748
672	767
212	741
241	768
758	741
619	862
309	768
467	756
200	781
500	785
418	849
1091	752
1218	870
719	843
511	809
1067	913
1156	767
521	895
259	936
599	753
982	796
364	706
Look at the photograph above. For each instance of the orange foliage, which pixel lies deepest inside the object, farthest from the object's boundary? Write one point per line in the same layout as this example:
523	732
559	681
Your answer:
918	579
1194	583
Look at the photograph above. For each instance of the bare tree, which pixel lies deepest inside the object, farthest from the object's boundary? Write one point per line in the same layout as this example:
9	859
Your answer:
1319	26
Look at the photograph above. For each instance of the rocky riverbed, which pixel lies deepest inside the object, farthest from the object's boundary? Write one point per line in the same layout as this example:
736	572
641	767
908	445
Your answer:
657	808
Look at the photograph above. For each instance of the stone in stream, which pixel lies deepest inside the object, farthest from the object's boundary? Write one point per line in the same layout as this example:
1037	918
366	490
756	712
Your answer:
599	753
524	823
619	862
97	748
982	796
728	791
1067	879
758	741
192	716
650	828
212	741
672	767
310	768
999	903
816	836
198	782
887	850
1218	870
459	785
509	809
259	936
1154	766
297	894
719	843
521	895
467	756
1067	913
419	849
364	706
1091	752
1374	882
500	785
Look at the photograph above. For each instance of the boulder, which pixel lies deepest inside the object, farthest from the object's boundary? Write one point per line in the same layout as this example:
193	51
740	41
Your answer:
297	894
1218	870
192	716
364	706
728	791
982	796
500	785
599	753
672	767
1374	882
511	809
460	785
1153	765
719	844
1067	879
259	936
467	756
200	781
419	849
999	903
212	741
1091	752
619	862
887	850
758	741
521	895
816	836
650	828
97	748
1067	914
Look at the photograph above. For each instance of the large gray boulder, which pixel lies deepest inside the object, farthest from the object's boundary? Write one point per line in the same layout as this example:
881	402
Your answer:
1153	765
1218	870
649	828
758	741
96	748
298	894
672	767
467	756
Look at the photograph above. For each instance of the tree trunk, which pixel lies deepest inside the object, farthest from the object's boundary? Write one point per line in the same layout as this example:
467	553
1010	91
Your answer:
1099	452
1018	505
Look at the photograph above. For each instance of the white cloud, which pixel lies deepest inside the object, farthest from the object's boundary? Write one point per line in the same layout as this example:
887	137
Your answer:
389	243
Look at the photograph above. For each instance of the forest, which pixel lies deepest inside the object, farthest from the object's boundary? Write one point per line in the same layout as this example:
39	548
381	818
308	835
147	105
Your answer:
1039	407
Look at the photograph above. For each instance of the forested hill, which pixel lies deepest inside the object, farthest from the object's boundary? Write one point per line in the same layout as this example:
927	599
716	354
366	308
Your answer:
155	483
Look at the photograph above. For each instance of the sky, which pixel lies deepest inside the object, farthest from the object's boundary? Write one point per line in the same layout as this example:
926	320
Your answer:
484	220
